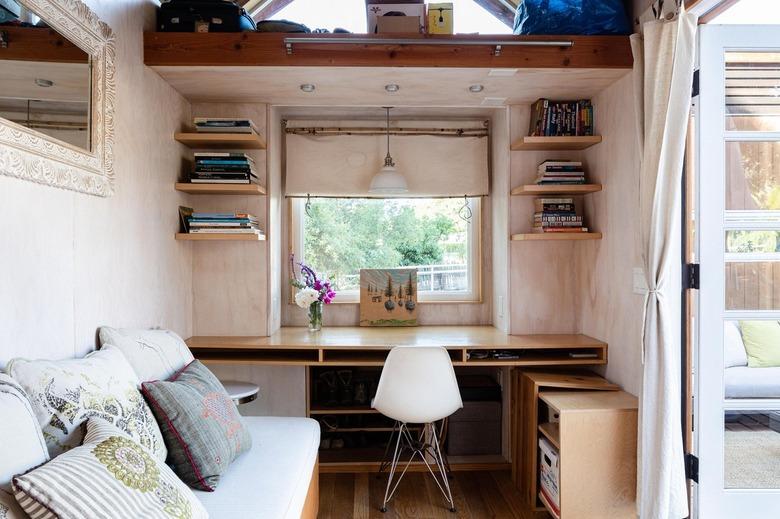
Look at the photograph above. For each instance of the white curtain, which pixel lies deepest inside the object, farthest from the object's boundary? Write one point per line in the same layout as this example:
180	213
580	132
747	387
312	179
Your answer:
663	68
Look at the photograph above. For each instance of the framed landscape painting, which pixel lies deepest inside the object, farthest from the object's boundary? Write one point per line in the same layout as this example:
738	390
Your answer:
388	297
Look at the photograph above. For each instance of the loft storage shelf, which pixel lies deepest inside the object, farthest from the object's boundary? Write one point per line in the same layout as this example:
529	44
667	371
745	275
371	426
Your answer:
563	189
557	236
184	236
220	189
572	143
221	141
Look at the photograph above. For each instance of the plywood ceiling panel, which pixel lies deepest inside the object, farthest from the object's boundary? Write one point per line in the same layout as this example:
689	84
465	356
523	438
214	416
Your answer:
366	86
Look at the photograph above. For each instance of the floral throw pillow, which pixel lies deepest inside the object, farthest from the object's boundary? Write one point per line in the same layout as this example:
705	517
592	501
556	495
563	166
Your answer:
66	393
109	476
202	427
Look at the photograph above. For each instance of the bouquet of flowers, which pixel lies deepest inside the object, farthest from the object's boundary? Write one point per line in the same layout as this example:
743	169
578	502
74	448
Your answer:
312	292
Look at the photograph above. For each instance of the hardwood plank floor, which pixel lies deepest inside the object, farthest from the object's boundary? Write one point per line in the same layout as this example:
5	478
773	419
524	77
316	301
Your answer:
478	495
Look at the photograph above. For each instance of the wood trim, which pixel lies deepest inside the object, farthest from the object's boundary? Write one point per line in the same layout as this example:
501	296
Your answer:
715	11
268	49
40	44
311	506
499	10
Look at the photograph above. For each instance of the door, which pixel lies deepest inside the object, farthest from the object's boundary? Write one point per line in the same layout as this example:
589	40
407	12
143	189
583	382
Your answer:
738	354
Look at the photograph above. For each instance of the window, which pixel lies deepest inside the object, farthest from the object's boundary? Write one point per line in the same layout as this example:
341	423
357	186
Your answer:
339	236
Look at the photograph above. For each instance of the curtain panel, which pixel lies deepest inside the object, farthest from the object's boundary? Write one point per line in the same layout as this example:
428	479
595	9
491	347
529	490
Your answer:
663	67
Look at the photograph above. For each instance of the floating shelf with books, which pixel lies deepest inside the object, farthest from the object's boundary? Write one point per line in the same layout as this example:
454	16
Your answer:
561	189
579	142
222	141
220	189
556	236
186	236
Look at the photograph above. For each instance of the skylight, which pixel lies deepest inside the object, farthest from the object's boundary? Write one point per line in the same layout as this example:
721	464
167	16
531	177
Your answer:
469	17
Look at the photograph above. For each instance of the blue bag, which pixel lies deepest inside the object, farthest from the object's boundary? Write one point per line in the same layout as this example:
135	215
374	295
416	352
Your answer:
571	17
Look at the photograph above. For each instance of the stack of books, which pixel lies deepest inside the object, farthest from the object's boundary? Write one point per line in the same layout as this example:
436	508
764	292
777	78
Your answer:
557	215
560	172
561	118
223	223
224	125
223	168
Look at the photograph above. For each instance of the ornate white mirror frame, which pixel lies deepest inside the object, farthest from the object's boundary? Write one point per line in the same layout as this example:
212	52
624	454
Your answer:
33	156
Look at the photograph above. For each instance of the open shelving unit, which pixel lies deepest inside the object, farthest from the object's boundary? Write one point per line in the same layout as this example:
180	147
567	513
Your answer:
579	142
184	236
212	141
220	189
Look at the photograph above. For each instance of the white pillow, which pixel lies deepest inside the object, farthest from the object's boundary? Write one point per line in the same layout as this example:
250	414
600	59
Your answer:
21	441
65	394
734	353
154	354
9	508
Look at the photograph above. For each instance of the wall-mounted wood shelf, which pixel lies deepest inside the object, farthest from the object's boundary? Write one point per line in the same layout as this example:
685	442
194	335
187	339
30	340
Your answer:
220	189
557	236
221	141
219	237
561	189
551	431
555	143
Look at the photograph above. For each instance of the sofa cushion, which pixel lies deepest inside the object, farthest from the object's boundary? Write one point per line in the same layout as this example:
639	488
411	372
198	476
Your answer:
110	476
21	440
9	508
66	393
276	473
202	428
154	354
744	382
733	348
762	343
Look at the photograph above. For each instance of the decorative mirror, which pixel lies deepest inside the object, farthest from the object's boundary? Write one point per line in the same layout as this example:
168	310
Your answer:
57	95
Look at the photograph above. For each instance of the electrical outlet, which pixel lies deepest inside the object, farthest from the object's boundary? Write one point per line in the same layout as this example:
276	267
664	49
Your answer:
640	284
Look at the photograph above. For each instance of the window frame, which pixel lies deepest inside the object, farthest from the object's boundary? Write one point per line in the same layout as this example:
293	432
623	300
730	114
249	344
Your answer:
474	258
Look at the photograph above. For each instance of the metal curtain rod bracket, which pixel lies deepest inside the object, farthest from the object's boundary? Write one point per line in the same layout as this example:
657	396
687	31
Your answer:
497	44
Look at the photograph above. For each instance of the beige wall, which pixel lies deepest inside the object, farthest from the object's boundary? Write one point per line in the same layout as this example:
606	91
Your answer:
71	262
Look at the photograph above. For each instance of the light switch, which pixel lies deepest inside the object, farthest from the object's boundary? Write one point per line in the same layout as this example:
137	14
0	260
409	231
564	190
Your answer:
640	284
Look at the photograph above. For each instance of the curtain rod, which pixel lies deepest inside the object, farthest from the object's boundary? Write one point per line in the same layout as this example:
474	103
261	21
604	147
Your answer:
445	132
496	44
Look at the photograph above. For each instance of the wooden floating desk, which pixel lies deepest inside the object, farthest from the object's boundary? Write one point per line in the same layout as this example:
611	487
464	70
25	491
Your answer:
355	346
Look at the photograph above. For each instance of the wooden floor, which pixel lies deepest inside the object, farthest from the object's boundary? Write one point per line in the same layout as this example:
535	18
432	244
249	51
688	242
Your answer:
478	495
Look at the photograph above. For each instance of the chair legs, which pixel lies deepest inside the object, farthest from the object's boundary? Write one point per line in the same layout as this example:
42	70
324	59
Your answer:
426	446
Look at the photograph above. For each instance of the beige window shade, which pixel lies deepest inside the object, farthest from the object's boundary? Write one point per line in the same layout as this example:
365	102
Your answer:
343	165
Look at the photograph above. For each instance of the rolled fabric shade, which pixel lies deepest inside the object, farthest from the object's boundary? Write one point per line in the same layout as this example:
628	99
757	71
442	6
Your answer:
343	165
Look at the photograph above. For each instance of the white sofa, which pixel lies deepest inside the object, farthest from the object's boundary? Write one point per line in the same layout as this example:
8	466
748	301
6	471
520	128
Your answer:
741	381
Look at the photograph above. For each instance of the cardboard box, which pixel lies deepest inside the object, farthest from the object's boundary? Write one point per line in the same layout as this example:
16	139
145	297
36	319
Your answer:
549	473
376	11
440	18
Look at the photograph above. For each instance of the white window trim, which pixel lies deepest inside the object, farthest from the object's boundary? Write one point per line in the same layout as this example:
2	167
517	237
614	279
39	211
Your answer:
474	237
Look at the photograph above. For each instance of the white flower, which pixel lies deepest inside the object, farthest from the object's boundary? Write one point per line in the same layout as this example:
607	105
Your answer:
305	297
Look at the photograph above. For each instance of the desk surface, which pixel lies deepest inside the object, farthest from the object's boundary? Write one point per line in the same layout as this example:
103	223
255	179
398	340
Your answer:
471	337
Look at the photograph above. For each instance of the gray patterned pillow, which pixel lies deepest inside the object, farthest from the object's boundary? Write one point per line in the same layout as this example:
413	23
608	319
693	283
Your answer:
66	393
9	508
110	476
201	425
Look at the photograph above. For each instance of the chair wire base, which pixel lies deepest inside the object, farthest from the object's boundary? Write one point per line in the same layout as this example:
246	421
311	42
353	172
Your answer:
426	446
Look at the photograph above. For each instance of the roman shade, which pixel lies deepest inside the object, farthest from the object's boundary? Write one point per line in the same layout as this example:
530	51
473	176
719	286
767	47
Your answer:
343	165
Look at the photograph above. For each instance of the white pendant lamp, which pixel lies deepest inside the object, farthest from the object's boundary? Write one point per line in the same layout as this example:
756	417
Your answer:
388	181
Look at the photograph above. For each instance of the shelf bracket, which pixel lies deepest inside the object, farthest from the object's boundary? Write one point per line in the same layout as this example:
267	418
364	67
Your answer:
4	40
288	45
497	51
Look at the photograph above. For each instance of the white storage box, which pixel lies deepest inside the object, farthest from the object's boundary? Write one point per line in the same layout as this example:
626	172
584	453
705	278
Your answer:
549	474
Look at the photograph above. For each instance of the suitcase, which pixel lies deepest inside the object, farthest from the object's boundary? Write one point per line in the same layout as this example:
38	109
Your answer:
203	16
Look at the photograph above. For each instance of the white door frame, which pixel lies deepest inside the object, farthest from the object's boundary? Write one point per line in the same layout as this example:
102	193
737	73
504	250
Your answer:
712	500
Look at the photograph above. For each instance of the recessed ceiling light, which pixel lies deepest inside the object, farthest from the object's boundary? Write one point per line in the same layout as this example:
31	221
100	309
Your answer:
502	72
476	89
308	88
45	83
392	87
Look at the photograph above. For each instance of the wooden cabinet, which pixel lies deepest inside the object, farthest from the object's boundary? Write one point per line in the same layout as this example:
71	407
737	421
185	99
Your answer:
596	439
526	411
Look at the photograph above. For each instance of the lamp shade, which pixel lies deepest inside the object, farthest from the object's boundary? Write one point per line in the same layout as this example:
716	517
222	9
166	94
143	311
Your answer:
388	181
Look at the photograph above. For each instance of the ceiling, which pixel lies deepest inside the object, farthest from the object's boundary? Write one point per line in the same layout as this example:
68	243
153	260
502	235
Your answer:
361	86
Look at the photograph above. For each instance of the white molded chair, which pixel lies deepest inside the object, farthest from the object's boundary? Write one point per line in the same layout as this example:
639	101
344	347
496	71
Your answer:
418	386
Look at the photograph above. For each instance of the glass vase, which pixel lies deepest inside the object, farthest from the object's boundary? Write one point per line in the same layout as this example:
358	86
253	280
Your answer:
315	316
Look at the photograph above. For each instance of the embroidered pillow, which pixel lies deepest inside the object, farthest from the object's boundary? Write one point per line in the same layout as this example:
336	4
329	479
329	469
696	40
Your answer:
9	508
154	354
21	441
110	476
66	393
200	423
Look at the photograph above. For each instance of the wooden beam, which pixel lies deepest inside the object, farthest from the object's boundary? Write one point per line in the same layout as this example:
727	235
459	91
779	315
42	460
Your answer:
39	44
498	9
268	49
267	8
